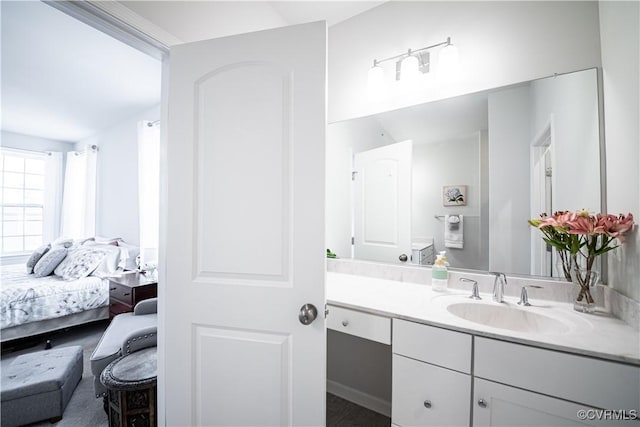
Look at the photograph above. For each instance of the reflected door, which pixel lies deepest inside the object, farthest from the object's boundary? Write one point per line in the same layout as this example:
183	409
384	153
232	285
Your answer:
245	230
382	208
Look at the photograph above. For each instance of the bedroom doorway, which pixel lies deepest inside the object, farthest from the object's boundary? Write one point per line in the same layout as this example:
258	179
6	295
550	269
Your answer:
71	92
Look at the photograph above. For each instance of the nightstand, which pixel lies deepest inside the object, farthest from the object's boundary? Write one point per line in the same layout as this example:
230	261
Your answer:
127	290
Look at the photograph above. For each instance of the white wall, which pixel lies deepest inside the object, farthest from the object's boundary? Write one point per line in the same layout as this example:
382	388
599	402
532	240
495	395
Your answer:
34	143
509	235
442	163
117	194
499	43
620	37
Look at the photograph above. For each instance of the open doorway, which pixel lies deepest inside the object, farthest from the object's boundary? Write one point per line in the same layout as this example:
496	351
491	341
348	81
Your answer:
80	171
543	257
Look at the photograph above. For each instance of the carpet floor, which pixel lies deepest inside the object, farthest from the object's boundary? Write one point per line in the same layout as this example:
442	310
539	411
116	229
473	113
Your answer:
85	410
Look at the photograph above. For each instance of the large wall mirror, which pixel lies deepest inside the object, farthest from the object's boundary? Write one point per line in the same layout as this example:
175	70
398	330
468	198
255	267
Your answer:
464	174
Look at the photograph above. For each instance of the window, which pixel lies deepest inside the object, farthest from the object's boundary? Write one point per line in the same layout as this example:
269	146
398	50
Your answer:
22	182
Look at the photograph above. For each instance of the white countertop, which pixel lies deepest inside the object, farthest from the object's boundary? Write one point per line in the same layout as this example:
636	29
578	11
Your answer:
599	335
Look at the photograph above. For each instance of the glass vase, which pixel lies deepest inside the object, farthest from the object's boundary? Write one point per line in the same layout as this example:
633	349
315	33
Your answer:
585	280
564	264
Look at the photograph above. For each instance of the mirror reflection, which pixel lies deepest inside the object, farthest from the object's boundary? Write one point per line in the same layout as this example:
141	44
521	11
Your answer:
464	174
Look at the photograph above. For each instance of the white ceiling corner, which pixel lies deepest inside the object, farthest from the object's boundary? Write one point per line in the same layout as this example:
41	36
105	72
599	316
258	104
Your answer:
64	80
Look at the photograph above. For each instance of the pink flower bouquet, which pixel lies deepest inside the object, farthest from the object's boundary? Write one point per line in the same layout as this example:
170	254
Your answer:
580	237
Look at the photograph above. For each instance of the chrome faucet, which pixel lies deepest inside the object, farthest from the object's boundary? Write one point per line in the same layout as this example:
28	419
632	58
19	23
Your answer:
474	288
498	286
524	296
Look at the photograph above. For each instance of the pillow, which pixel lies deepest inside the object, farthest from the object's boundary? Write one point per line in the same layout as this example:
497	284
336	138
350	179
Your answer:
107	240
110	262
80	263
64	242
35	257
49	262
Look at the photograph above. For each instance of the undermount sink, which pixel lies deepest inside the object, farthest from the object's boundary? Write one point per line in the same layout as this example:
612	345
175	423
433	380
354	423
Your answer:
507	317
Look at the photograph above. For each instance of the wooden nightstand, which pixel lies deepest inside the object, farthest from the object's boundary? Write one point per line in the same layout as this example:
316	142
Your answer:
129	289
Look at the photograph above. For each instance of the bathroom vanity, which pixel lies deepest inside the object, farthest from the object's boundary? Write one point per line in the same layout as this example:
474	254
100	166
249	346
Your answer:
456	361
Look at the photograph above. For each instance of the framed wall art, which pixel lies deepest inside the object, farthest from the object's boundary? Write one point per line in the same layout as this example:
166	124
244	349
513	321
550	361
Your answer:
454	195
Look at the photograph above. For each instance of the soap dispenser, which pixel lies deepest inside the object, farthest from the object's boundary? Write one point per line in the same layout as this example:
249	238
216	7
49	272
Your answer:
440	273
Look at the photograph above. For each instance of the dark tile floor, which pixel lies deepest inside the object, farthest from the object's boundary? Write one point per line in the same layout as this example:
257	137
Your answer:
342	413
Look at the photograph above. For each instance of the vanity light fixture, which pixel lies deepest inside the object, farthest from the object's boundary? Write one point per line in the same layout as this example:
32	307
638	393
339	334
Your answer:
411	64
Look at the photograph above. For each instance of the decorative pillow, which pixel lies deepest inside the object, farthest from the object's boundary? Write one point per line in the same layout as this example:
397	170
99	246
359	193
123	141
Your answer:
64	242
107	240
49	262
109	264
35	257
80	263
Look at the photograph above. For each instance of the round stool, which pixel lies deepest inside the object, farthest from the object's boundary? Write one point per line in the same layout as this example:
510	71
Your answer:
131	384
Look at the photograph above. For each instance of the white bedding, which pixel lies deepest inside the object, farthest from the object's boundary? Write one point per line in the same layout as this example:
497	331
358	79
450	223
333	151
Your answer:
26	298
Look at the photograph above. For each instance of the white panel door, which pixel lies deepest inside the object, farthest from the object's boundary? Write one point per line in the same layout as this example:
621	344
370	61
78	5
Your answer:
382	218
245	230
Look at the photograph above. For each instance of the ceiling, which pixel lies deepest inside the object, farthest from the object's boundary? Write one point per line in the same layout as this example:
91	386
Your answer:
64	80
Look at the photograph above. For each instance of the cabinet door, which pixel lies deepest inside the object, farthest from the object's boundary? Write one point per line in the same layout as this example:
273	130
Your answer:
427	395
500	405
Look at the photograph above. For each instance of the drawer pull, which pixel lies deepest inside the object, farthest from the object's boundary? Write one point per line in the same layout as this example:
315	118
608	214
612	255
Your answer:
427	404
126	294
482	403
345	323
113	289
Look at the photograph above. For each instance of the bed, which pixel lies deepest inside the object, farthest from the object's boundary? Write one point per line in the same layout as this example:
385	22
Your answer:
77	292
33	305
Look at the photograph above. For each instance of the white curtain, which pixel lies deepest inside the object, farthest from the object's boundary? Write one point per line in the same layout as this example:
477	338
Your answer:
149	190
79	196
52	196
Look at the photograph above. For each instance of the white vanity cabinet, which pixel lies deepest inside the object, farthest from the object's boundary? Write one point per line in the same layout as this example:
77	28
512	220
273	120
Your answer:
364	325
518	385
431	376
500	405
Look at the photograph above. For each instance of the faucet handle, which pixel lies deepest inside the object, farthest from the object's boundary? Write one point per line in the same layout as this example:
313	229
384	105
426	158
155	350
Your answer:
475	294
524	296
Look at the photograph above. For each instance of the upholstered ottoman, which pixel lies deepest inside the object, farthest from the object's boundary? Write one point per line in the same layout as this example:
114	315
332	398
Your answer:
37	386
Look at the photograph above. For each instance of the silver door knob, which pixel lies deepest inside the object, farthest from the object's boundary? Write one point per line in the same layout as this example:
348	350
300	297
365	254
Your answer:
308	314
403	258
427	404
482	403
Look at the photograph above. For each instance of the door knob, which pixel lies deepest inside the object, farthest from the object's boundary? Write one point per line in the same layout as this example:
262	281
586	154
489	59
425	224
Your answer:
308	314
482	403
403	258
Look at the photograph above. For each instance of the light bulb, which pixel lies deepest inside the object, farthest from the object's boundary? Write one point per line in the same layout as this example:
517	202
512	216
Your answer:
409	69
448	61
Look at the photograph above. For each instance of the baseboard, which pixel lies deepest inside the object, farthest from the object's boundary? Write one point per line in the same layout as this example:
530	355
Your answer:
359	398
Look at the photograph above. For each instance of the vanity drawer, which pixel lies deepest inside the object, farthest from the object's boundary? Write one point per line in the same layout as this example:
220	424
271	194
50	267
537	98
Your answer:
428	395
364	325
429	344
595	382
